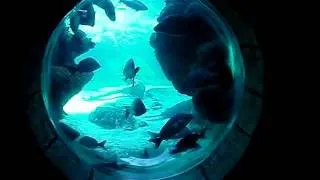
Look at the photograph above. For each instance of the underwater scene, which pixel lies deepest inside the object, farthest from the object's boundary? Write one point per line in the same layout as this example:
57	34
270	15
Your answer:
142	89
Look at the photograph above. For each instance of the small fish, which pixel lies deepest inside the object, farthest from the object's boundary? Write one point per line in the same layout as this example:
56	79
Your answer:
108	7
130	71
90	142
75	22
135	4
137	108
188	142
88	65
185	131
198	78
175	124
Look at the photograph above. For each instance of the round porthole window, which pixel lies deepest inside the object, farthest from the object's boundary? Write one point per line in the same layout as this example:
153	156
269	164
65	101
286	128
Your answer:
142	89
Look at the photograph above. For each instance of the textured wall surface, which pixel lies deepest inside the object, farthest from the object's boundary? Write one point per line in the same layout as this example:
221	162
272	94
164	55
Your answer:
228	153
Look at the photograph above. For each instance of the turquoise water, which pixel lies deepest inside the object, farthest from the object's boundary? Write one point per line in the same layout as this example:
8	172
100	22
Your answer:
117	42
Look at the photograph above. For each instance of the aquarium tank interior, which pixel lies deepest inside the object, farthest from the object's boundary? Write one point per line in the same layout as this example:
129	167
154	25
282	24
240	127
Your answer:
142	89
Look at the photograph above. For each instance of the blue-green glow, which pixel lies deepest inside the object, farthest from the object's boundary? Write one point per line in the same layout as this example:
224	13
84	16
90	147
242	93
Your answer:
116	42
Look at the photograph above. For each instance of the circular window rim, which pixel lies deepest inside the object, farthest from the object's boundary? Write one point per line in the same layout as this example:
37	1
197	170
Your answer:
58	32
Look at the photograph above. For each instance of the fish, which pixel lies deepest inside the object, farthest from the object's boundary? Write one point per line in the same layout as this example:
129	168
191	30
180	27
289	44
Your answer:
188	142
185	131
88	65
198	78
175	124
91	143
87	15
137	108
135	4
108	7
75	22
130	71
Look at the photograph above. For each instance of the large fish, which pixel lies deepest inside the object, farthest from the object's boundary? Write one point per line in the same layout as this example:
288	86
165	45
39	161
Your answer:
108	7
134	4
175	124
130	71
188	142
184	132
91	143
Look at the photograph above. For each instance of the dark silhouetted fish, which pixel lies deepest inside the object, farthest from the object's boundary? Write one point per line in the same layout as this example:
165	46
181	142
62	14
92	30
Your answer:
137	108
188	142
90	142
71	133
135	4
88	65
198	78
130	71
185	131
175	124
87	15
75	22
108	7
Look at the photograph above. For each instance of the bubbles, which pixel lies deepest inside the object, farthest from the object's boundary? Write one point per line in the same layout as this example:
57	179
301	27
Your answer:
100	104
